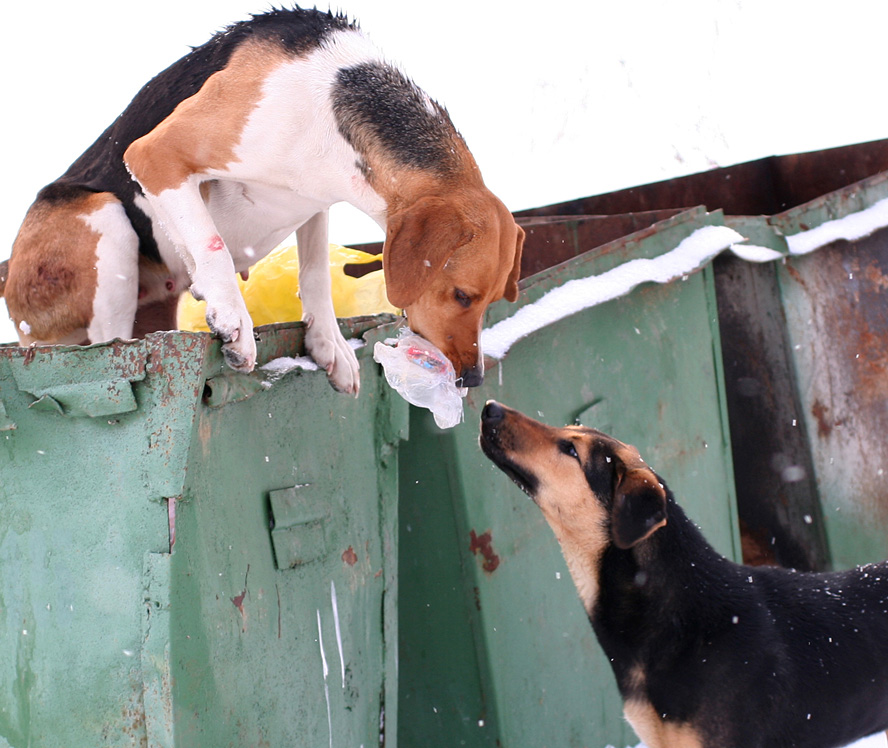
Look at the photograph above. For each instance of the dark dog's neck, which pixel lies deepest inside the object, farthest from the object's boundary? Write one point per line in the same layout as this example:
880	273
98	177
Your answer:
653	582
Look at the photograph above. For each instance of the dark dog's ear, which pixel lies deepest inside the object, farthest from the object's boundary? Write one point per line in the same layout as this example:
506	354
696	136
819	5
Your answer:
418	241
511	292
639	507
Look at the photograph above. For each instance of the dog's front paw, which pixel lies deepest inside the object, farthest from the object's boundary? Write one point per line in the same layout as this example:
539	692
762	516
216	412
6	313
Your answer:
236	332
334	355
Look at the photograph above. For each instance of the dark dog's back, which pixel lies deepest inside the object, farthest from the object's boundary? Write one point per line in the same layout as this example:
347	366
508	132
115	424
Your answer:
751	656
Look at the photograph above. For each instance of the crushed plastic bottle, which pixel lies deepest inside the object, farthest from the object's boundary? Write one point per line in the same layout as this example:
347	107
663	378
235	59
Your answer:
422	375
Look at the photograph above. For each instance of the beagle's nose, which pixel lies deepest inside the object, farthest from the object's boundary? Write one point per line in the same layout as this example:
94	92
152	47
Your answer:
471	377
493	413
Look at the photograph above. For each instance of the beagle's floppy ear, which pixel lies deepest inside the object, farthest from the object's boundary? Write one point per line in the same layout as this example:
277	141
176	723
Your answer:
511	292
639	507
418	242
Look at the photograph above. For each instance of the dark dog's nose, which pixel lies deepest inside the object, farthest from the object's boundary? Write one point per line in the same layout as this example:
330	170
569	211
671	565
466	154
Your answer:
493	413
471	377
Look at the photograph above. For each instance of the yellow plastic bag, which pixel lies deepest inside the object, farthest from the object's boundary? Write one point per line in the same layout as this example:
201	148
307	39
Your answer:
271	290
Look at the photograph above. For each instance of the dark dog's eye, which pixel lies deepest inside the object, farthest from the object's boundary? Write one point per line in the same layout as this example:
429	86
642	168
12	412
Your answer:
462	298
568	448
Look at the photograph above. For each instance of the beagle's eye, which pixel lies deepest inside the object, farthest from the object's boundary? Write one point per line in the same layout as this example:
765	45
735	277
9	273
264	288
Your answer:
568	448
462	298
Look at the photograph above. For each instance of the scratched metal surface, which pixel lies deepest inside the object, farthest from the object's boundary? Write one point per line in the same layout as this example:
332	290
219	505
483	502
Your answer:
231	636
836	306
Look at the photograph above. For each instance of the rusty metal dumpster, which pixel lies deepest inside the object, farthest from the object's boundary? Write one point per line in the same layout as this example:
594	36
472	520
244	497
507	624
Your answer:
190	557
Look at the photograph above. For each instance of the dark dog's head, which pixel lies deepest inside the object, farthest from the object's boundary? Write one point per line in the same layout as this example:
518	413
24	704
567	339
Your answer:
592	489
446	258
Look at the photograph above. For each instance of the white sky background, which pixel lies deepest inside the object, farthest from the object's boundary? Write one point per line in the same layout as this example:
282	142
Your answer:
555	100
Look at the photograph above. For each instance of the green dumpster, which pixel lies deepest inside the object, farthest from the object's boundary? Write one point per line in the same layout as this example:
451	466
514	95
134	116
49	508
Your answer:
190	557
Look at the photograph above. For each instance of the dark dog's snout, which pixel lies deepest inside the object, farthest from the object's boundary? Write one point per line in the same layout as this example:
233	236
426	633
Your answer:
493	414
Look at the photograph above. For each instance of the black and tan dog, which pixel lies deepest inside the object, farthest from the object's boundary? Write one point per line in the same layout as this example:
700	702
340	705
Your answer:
249	137
707	653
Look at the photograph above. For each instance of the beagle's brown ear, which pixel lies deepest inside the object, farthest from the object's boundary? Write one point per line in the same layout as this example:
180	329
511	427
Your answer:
511	292
418	242
639	507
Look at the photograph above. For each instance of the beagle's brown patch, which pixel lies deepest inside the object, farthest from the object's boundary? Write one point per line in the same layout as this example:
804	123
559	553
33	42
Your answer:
203	131
52	272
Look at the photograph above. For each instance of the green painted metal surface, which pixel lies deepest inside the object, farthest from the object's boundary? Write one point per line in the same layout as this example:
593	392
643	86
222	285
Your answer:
509	659
144	597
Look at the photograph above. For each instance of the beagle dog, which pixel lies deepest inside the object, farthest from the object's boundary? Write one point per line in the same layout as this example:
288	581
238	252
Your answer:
247	138
707	653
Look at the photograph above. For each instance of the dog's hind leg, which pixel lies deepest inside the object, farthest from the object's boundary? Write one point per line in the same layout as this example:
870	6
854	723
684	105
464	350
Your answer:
73	274
117	271
323	339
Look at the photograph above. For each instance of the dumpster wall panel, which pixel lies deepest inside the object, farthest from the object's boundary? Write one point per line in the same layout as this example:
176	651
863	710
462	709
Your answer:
75	522
239	614
836	315
444	678
141	595
777	496
643	367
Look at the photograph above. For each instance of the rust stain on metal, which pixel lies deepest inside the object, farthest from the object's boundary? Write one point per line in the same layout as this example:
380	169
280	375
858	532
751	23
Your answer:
238	602
482	544
824	427
349	556
844	325
874	275
795	275
132	725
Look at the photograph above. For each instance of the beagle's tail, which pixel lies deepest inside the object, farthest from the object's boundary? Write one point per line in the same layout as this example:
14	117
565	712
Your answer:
4	274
